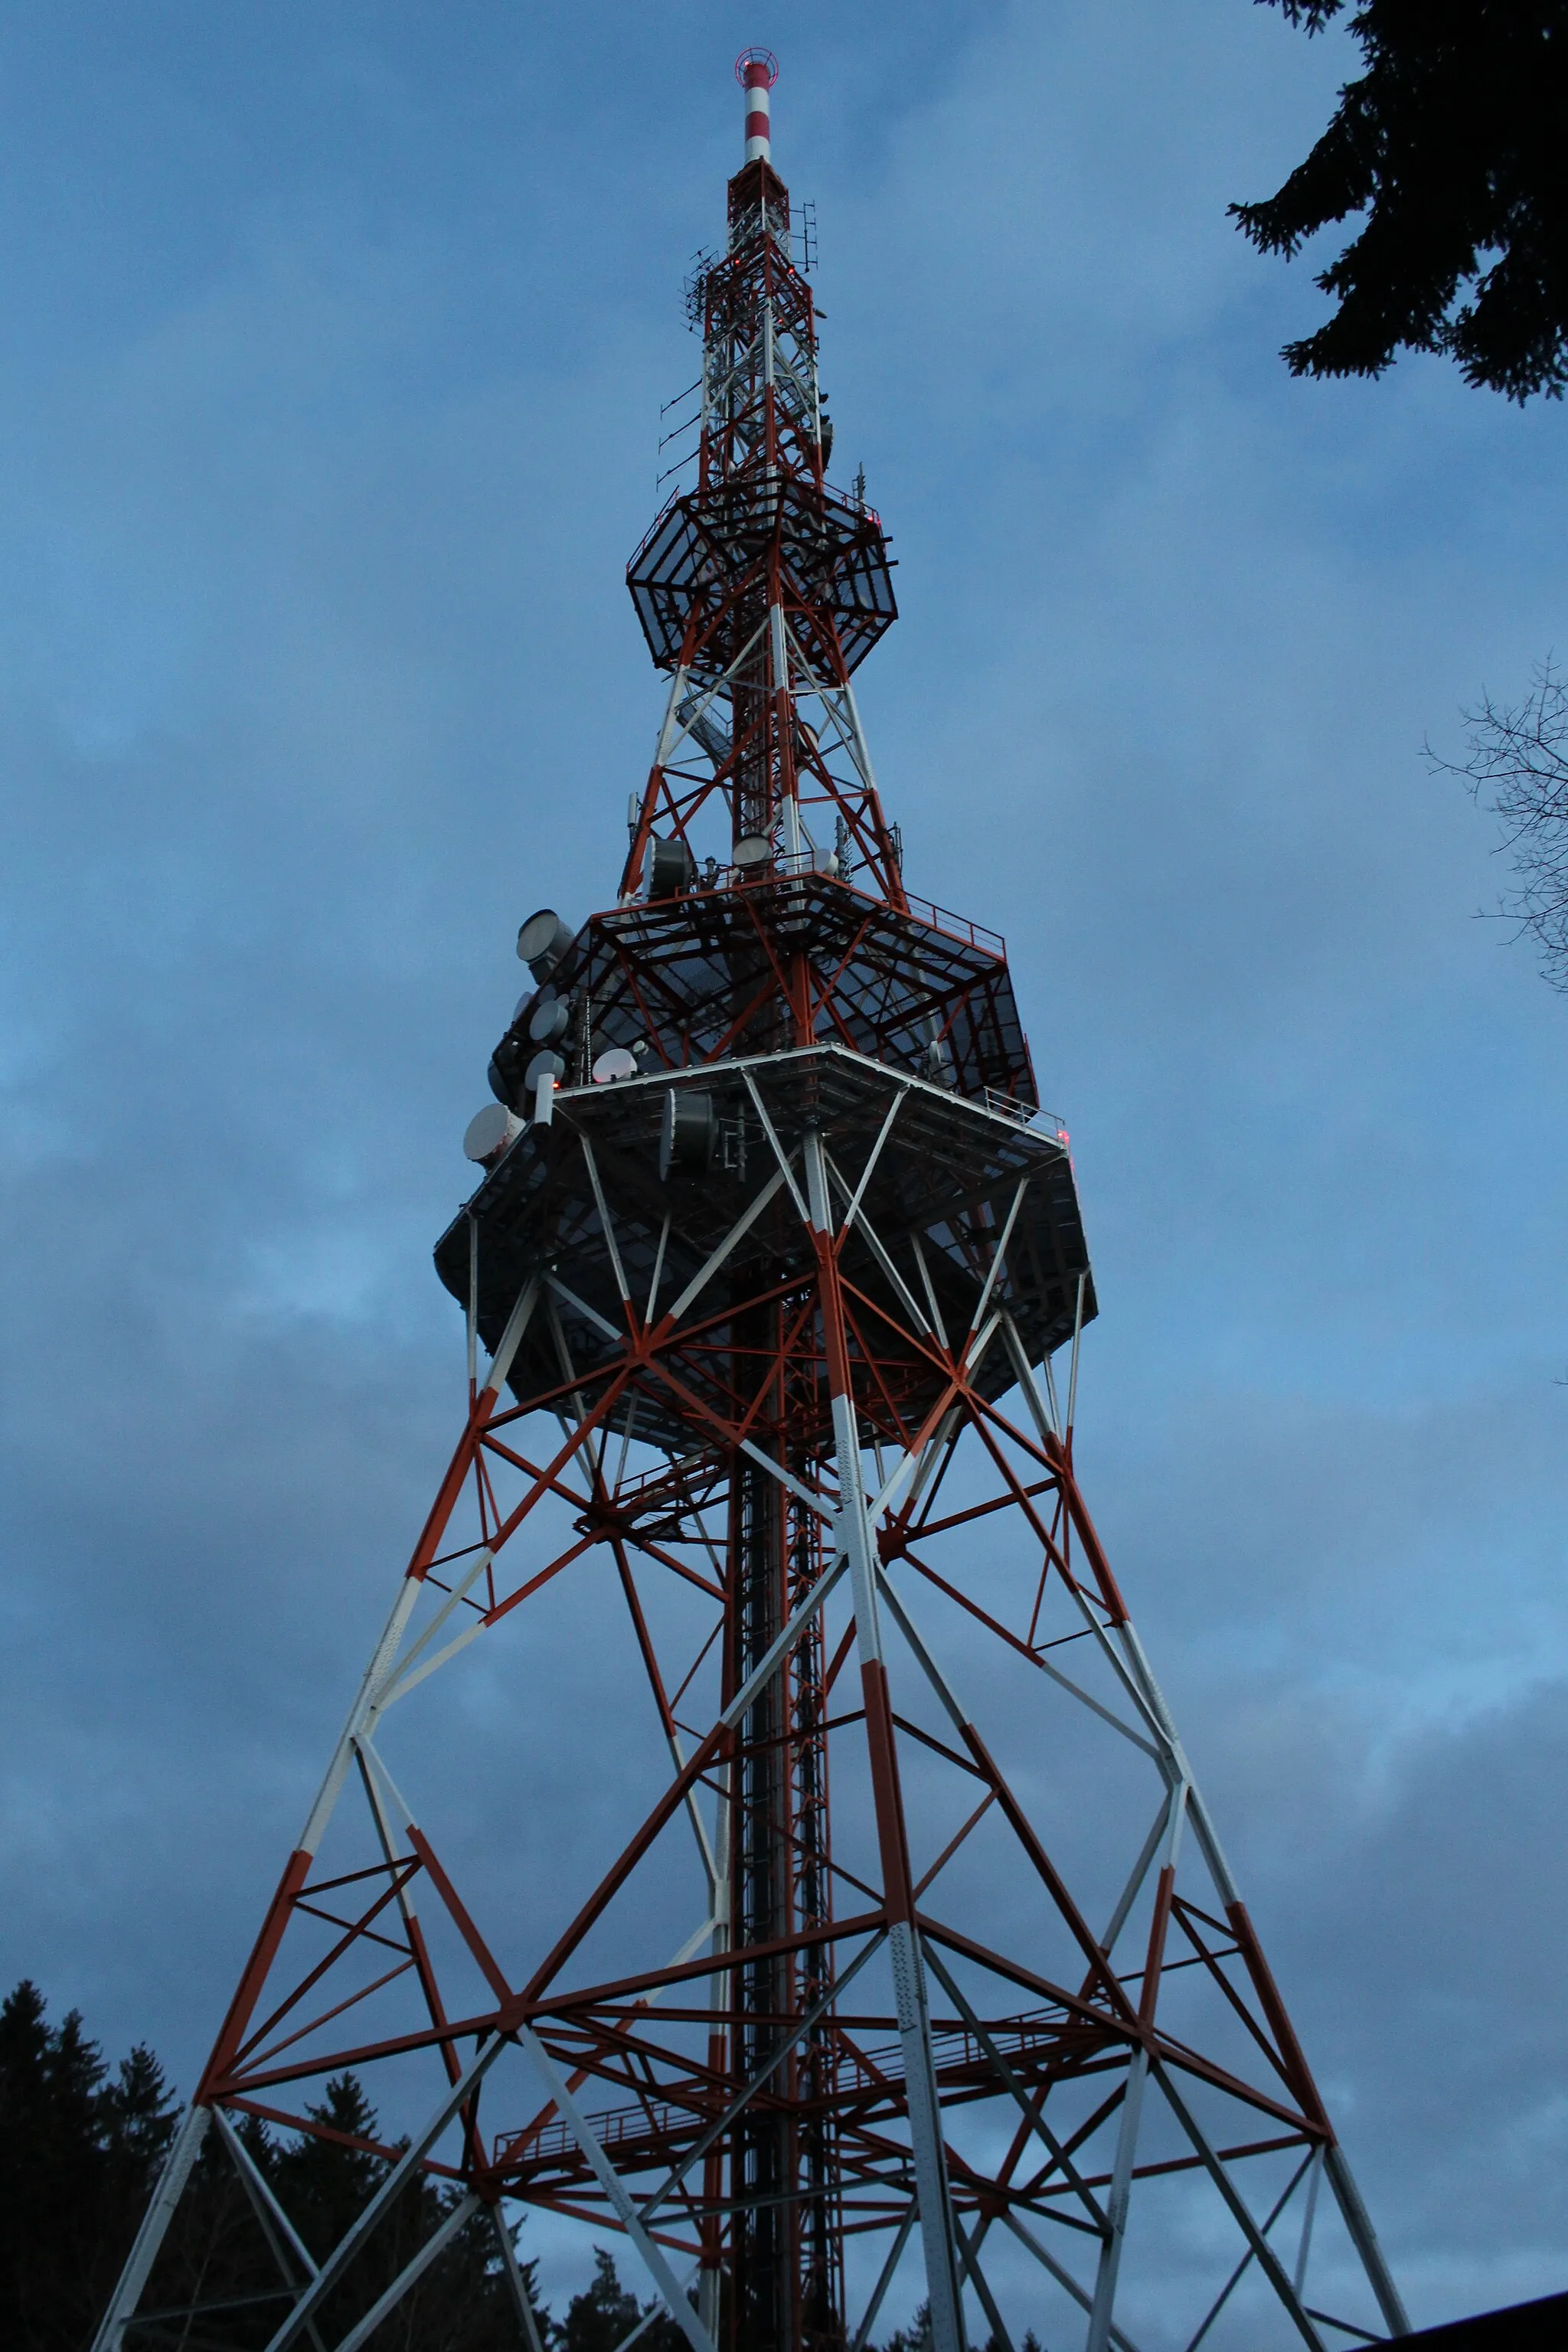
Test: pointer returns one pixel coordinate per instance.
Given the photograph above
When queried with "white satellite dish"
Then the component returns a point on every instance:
(492, 1132)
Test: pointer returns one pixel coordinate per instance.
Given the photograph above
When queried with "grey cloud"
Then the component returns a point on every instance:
(331, 397)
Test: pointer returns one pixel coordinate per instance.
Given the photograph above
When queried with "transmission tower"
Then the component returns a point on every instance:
(914, 1973)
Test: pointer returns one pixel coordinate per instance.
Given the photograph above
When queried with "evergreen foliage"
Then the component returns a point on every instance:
(597, 2319)
(79, 2153)
(915, 2337)
(217, 2253)
(1452, 144)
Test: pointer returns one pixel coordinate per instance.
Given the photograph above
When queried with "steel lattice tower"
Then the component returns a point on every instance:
(772, 1253)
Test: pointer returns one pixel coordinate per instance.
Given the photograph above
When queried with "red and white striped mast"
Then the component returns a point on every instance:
(756, 71)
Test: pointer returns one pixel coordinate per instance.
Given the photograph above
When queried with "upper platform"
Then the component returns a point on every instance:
(783, 959)
(687, 577)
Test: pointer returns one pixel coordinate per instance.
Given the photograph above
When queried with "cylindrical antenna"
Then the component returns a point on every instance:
(756, 71)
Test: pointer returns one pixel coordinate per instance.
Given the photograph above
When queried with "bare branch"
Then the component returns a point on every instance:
(1518, 768)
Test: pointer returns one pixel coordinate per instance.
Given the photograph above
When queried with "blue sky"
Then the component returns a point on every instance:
(334, 346)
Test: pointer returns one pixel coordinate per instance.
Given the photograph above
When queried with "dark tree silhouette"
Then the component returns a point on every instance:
(916, 2337)
(1452, 144)
(597, 2319)
(216, 2258)
(79, 2153)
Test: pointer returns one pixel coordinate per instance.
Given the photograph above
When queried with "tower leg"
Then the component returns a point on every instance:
(1099, 2318)
(280, 2232)
(177, 2163)
(929, 2160)
(412, 2270)
(1358, 2221)
(678, 2305)
(517, 2284)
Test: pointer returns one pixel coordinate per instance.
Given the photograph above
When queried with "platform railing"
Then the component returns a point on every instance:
(1045, 1122)
(958, 2049)
(788, 865)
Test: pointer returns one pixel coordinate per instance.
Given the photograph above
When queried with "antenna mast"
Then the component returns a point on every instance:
(896, 1963)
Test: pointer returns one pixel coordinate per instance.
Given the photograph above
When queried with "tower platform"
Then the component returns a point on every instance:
(951, 1175)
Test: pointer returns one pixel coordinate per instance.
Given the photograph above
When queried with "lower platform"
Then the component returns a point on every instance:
(925, 1182)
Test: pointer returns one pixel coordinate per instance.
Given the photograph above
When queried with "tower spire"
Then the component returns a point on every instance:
(761, 588)
(756, 71)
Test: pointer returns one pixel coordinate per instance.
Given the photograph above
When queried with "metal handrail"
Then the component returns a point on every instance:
(953, 2045)
(791, 865)
(943, 918)
(1027, 1114)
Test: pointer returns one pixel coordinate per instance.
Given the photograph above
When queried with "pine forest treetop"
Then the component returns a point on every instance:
(1451, 144)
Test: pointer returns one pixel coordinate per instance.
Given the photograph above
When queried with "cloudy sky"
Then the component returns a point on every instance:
(333, 345)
